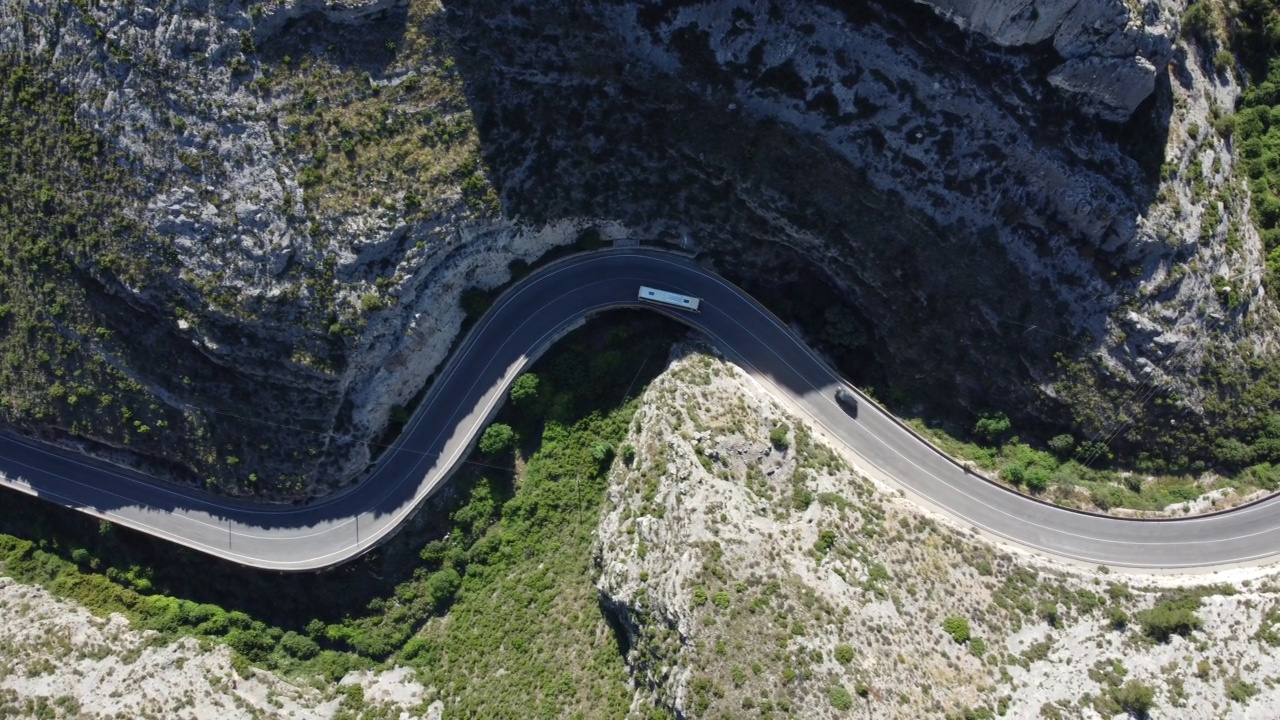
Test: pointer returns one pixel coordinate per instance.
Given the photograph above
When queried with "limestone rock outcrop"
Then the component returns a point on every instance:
(1110, 57)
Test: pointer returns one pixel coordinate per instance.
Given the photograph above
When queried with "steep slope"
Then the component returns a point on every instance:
(943, 202)
(759, 573)
(237, 236)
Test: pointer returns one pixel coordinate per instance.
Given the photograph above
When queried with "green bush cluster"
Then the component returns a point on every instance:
(1067, 462)
(1255, 34)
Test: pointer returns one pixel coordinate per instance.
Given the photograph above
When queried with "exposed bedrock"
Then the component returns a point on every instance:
(1110, 57)
(977, 219)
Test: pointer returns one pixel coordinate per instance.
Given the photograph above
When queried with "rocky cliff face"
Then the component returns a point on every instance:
(1111, 51)
(969, 193)
(309, 207)
(992, 235)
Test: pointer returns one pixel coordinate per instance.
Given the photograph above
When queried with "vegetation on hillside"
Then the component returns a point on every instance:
(64, 241)
(489, 595)
(1083, 473)
(98, 310)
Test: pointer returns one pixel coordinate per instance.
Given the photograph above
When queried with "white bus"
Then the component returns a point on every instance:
(669, 298)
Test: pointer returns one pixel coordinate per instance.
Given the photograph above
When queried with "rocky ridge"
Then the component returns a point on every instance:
(756, 569)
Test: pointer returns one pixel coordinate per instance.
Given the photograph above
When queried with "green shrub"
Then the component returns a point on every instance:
(473, 518)
(878, 573)
(254, 644)
(844, 654)
(497, 438)
(475, 302)
(590, 239)
(1062, 444)
(1135, 698)
(1048, 611)
(957, 628)
(1264, 475)
(601, 452)
(1224, 61)
(442, 586)
(699, 596)
(839, 697)
(721, 599)
(778, 436)
(826, 540)
(978, 647)
(1022, 464)
(1199, 21)
(1117, 617)
(1238, 690)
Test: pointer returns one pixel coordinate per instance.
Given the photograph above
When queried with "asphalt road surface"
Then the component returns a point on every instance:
(520, 326)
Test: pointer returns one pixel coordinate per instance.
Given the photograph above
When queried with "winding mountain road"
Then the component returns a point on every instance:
(521, 325)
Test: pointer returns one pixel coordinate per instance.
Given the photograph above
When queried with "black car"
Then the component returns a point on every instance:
(848, 401)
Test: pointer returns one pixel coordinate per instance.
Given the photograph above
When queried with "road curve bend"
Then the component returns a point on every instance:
(524, 321)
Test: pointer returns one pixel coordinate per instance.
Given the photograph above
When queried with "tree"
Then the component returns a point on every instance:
(524, 391)
(1062, 444)
(442, 586)
(992, 426)
(1169, 617)
(299, 646)
(497, 438)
